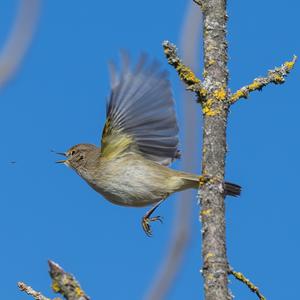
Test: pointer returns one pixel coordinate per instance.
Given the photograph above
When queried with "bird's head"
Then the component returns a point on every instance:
(79, 156)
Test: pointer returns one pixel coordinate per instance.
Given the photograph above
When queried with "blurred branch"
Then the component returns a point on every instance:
(275, 76)
(239, 276)
(19, 39)
(181, 229)
(30, 291)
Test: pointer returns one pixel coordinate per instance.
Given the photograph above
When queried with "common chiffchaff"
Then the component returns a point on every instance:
(139, 141)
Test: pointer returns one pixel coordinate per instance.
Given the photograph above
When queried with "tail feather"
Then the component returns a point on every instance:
(232, 189)
(192, 181)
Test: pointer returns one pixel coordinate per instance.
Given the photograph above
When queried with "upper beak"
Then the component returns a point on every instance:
(61, 153)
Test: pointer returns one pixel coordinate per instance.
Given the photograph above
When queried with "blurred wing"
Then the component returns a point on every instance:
(140, 113)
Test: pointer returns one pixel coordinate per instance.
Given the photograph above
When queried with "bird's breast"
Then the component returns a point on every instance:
(129, 182)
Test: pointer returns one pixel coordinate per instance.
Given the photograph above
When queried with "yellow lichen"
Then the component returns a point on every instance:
(211, 62)
(212, 112)
(206, 212)
(203, 92)
(210, 277)
(203, 179)
(209, 102)
(186, 74)
(290, 64)
(220, 94)
(278, 78)
(208, 111)
(207, 108)
(55, 287)
(255, 85)
(208, 256)
(239, 94)
(79, 291)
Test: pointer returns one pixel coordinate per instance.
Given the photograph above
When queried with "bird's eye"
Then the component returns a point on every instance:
(72, 152)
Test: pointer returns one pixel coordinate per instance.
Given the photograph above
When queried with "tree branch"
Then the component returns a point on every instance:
(184, 72)
(215, 111)
(276, 76)
(65, 283)
(213, 95)
(62, 282)
(239, 276)
(30, 291)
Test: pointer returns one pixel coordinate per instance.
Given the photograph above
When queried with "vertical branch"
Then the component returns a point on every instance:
(215, 109)
(213, 95)
(215, 99)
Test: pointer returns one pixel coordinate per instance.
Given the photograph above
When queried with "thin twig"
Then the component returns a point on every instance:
(184, 72)
(239, 276)
(65, 283)
(30, 291)
(276, 76)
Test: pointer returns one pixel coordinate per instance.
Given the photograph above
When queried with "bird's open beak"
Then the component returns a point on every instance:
(63, 160)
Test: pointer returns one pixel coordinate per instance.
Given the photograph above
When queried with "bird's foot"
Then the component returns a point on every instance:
(146, 220)
(204, 179)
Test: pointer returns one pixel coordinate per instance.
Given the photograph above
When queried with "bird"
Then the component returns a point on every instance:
(139, 142)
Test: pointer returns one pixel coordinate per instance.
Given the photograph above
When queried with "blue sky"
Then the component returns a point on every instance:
(57, 99)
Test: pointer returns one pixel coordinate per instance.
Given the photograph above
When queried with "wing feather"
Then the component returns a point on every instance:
(140, 113)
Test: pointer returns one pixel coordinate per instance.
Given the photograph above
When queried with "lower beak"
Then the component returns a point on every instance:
(61, 161)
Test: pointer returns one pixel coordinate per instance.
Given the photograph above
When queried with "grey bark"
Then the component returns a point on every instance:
(215, 265)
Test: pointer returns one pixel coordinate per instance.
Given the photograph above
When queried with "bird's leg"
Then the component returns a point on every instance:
(204, 179)
(147, 219)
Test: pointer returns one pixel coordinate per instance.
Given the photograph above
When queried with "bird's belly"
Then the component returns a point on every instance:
(131, 188)
(126, 195)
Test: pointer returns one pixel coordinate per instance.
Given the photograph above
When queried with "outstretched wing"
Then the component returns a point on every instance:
(140, 113)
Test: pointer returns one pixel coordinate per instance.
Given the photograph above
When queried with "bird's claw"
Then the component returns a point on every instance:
(146, 220)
